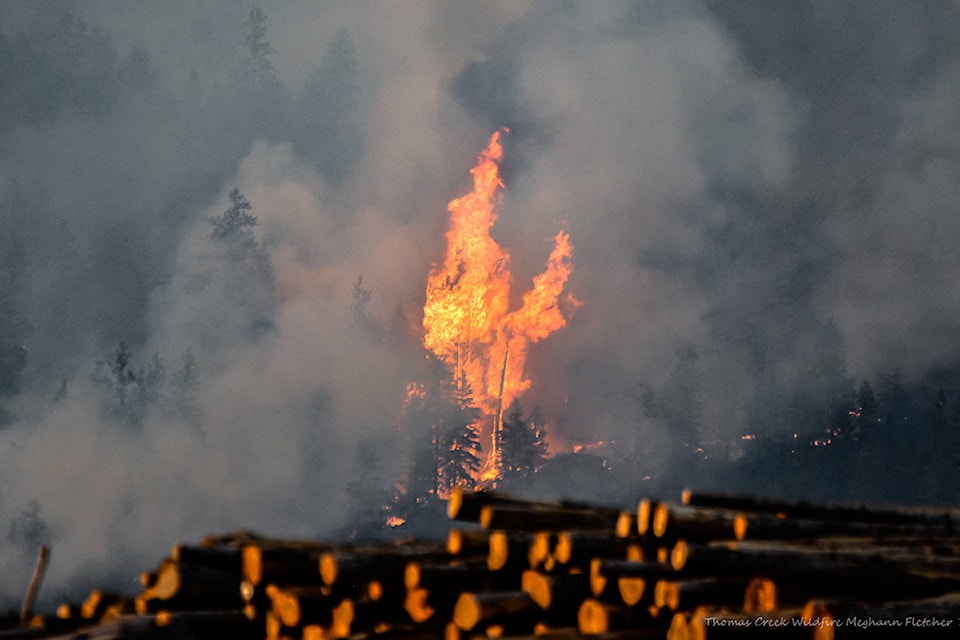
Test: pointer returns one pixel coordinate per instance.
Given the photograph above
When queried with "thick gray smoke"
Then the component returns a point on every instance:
(761, 197)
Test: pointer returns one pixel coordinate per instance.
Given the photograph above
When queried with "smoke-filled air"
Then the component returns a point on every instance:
(303, 268)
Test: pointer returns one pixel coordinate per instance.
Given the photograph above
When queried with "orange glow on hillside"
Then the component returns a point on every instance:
(467, 318)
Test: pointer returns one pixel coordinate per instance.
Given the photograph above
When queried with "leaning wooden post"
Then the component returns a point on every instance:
(27, 609)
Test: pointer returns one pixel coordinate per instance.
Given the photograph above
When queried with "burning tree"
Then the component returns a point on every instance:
(467, 318)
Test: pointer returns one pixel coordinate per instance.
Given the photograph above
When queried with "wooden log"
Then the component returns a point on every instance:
(578, 548)
(557, 592)
(803, 570)
(423, 605)
(644, 516)
(692, 593)
(693, 523)
(96, 604)
(760, 596)
(603, 572)
(540, 551)
(353, 617)
(226, 559)
(508, 551)
(474, 609)
(767, 526)
(293, 563)
(298, 606)
(26, 609)
(543, 517)
(595, 617)
(208, 624)
(462, 542)
(466, 505)
(206, 587)
(343, 567)
(456, 575)
(945, 518)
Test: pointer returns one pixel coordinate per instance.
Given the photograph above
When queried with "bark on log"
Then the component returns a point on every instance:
(430, 604)
(689, 594)
(297, 606)
(947, 518)
(26, 609)
(578, 548)
(760, 596)
(556, 592)
(226, 559)
(540, 517)
(595, 617)
(385, 563)
(509, 551)
(208, 587)
(468, 542)
(805, 570)
(767, 526)
(692, 523)
(473, 609)
(466, 505)
(472, 575)
(603, 572)
(95, 606)
(281, 563)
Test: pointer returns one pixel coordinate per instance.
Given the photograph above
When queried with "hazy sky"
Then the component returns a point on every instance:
(764, 192)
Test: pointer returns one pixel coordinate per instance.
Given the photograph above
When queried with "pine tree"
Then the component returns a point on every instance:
(522, 444)
(460, 440)
(256, 66)
(366, 491)
(249, 277)
(327, 114)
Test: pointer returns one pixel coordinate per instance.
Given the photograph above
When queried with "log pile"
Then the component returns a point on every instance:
(707, 566)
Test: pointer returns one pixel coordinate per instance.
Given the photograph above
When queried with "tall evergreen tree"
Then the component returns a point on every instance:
(459, 439)
(256, 65)
(366, 491)
(250, 279)
(522, 445)
(327, 114)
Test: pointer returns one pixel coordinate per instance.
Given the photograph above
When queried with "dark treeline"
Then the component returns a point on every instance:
(98, 115)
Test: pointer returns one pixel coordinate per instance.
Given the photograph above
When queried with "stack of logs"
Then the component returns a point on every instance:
(708, 566)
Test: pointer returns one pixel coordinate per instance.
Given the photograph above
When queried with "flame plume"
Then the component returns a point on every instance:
(467, 318)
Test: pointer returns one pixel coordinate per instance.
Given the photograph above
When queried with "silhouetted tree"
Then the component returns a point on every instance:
(183, 392)
(250, 281)
(256, 65)
(327, 113)
(459, 439)
(522, 445)
(366, 491)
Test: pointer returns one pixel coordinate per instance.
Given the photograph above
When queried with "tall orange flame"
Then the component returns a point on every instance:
(466, 316)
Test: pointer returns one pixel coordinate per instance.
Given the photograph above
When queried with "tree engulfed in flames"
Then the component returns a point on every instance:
(467, 318)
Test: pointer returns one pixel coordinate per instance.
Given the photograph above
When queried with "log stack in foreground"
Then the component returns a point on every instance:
(707, 566)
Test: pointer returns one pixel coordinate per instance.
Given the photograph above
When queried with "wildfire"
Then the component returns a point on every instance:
(467, 318)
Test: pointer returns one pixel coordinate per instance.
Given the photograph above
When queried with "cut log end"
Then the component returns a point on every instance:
(760, 596)
(417, 605)
(466, 612)
(536, 585)
(631, 589)
(592, 618)
(643, 516)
